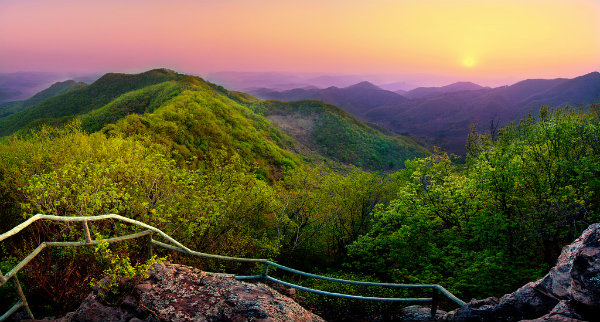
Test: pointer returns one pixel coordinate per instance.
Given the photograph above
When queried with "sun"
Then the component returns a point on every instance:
(469, 62)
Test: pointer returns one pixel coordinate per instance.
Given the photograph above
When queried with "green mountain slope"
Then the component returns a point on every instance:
(56, 89)
(198, 121)
(195, 118)
(83, 100)
(335, 134)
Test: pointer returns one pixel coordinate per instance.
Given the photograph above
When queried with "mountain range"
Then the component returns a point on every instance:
(194, 116)
(442, 116)
(435, 116)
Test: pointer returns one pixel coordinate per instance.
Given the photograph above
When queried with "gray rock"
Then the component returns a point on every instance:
(562, 312)
(569, 292)
(417, 313)
(585, 273)
(525, 303)
(92, 310)
(558, 282)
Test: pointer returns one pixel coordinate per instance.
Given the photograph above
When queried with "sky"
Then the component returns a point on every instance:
(485, 40)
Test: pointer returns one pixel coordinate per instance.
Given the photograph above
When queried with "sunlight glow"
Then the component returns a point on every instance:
(469, 62)
(541, 38)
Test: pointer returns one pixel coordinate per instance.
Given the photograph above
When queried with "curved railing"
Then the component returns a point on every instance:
(176, 246)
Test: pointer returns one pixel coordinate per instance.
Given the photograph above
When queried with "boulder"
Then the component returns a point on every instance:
(569, 292)
(585, 272)
(183, 293)
(525, 303)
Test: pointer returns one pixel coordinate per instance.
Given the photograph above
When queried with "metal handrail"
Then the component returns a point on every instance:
(176, 246)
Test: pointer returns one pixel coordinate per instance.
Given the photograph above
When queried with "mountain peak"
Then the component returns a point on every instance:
(421, 92)
(462, 86)
(364, 85)
(163, 71)
(591, 75)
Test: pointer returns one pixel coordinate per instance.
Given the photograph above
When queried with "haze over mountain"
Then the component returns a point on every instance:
(442, 115)
(420, 92)
(356, 99)
(58, 88)
(22, 85)
(244, 81)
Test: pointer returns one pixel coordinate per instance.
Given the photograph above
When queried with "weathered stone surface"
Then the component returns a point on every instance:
(585, 273)
(180, 293)
(558, 282)
(417, 313)
(562, 312)
(525, 303)
(569, 292)
(91, 310)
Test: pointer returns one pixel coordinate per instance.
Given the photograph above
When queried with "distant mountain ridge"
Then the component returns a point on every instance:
(356, 99)
(442, 115)
(56, 89)
(22, 85)
(432, 91)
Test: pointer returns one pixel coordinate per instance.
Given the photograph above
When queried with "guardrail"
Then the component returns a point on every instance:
(176, 246)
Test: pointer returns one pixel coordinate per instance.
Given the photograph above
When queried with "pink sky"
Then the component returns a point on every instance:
(465, 39)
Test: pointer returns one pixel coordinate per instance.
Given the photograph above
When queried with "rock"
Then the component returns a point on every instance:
(558, 282)
(92, 310)
(417, 313)
(525, 303)
(182, 293)
(585, 273)
(562, 312)
(569, 292)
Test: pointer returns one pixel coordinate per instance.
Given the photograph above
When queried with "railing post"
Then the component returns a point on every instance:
(2, 280)
(434, 301)
(150, 250)
(265, 269)
(86, 232)
(22, 296)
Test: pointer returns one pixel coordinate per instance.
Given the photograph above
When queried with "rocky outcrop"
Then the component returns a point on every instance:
(182, 293)
(569, 292)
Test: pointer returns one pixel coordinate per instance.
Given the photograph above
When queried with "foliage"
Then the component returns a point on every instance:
(339, 309)
(321, 211)
(496, 222)
(196, 123)
(120, 275)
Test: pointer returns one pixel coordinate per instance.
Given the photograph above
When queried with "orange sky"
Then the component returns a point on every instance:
(468, 39)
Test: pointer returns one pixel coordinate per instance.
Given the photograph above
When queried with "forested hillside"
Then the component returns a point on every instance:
(335, 134)
(201, 167)
(497, 221)
(85, 99)
(192, 116)
(225, 173)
